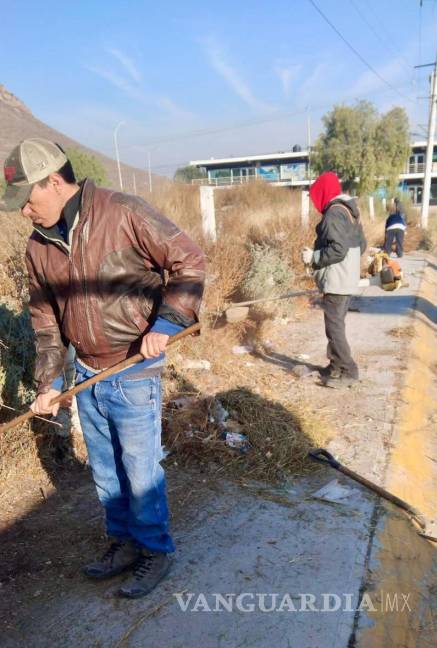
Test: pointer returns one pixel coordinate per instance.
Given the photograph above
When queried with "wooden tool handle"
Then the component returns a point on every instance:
(299, 293)
(110, 371)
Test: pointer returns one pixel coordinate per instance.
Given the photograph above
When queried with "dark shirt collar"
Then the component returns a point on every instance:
(62, 228)
(71, 208)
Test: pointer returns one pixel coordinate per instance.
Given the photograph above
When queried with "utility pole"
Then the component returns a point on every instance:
(117, 154)
(149, 169)
(430, 146)
(308, 128)
(309, 141)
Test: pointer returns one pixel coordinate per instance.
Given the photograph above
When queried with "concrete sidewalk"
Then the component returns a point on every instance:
(279, 567)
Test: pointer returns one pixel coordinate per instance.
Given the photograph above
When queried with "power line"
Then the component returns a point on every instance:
(236, 125)
(352, 48)
(192, 134)
(242, 124)
(385, 41)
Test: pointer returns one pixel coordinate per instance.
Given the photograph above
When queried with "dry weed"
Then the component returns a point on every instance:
(253, 206)
(179, 202)
(228, 263)
(14, 232)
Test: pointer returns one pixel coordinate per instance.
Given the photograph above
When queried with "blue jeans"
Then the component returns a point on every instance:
(121, 423)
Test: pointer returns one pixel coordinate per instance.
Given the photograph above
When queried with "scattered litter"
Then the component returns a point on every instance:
(241, 350)
(218, 414)
(198, 364)
(236, 441)
(335, 492)
(267, 426)
(300, 371)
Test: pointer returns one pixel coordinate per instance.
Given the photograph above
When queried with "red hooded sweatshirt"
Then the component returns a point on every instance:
(324, 189)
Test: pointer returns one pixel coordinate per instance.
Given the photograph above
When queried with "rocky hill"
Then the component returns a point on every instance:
(18, 123)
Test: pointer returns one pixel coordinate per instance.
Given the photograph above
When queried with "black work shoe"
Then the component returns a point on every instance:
(119, 556)
(340, 381)
(149, 570)
(327, 371)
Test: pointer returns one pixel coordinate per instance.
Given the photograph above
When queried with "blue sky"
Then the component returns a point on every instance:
(246, 73)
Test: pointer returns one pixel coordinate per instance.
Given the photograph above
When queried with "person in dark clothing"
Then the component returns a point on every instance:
(336, 256)
(399, 205)
(395, 228)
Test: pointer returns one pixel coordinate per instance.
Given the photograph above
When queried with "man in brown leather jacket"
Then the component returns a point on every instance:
(96, 262)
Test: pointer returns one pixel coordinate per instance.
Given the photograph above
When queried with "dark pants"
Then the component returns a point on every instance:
(339, 353)
(391, 236)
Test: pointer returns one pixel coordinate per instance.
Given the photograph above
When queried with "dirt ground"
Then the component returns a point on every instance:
(52, 525)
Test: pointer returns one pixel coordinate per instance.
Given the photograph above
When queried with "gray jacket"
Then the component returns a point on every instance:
(338, 247)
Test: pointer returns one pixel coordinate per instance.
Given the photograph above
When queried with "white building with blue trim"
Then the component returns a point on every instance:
(293, 169)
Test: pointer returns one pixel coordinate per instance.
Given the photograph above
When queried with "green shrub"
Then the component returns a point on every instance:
(87, 166)
(188, 173)
(268, 274)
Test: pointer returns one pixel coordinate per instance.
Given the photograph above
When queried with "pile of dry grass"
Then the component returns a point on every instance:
(279, 435)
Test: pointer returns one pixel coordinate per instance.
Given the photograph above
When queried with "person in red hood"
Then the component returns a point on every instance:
(335, 259)
(324, 189)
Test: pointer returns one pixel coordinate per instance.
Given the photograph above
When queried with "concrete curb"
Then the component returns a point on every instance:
(401, 561)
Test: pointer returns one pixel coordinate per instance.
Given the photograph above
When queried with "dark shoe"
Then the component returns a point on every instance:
(149, 570)
(328, 371)
(119, 556)
(340, 381)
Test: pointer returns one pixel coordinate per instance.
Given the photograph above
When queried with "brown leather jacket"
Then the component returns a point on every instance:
(103, 290)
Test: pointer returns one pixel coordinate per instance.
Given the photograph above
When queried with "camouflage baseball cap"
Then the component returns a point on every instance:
(29, 162)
